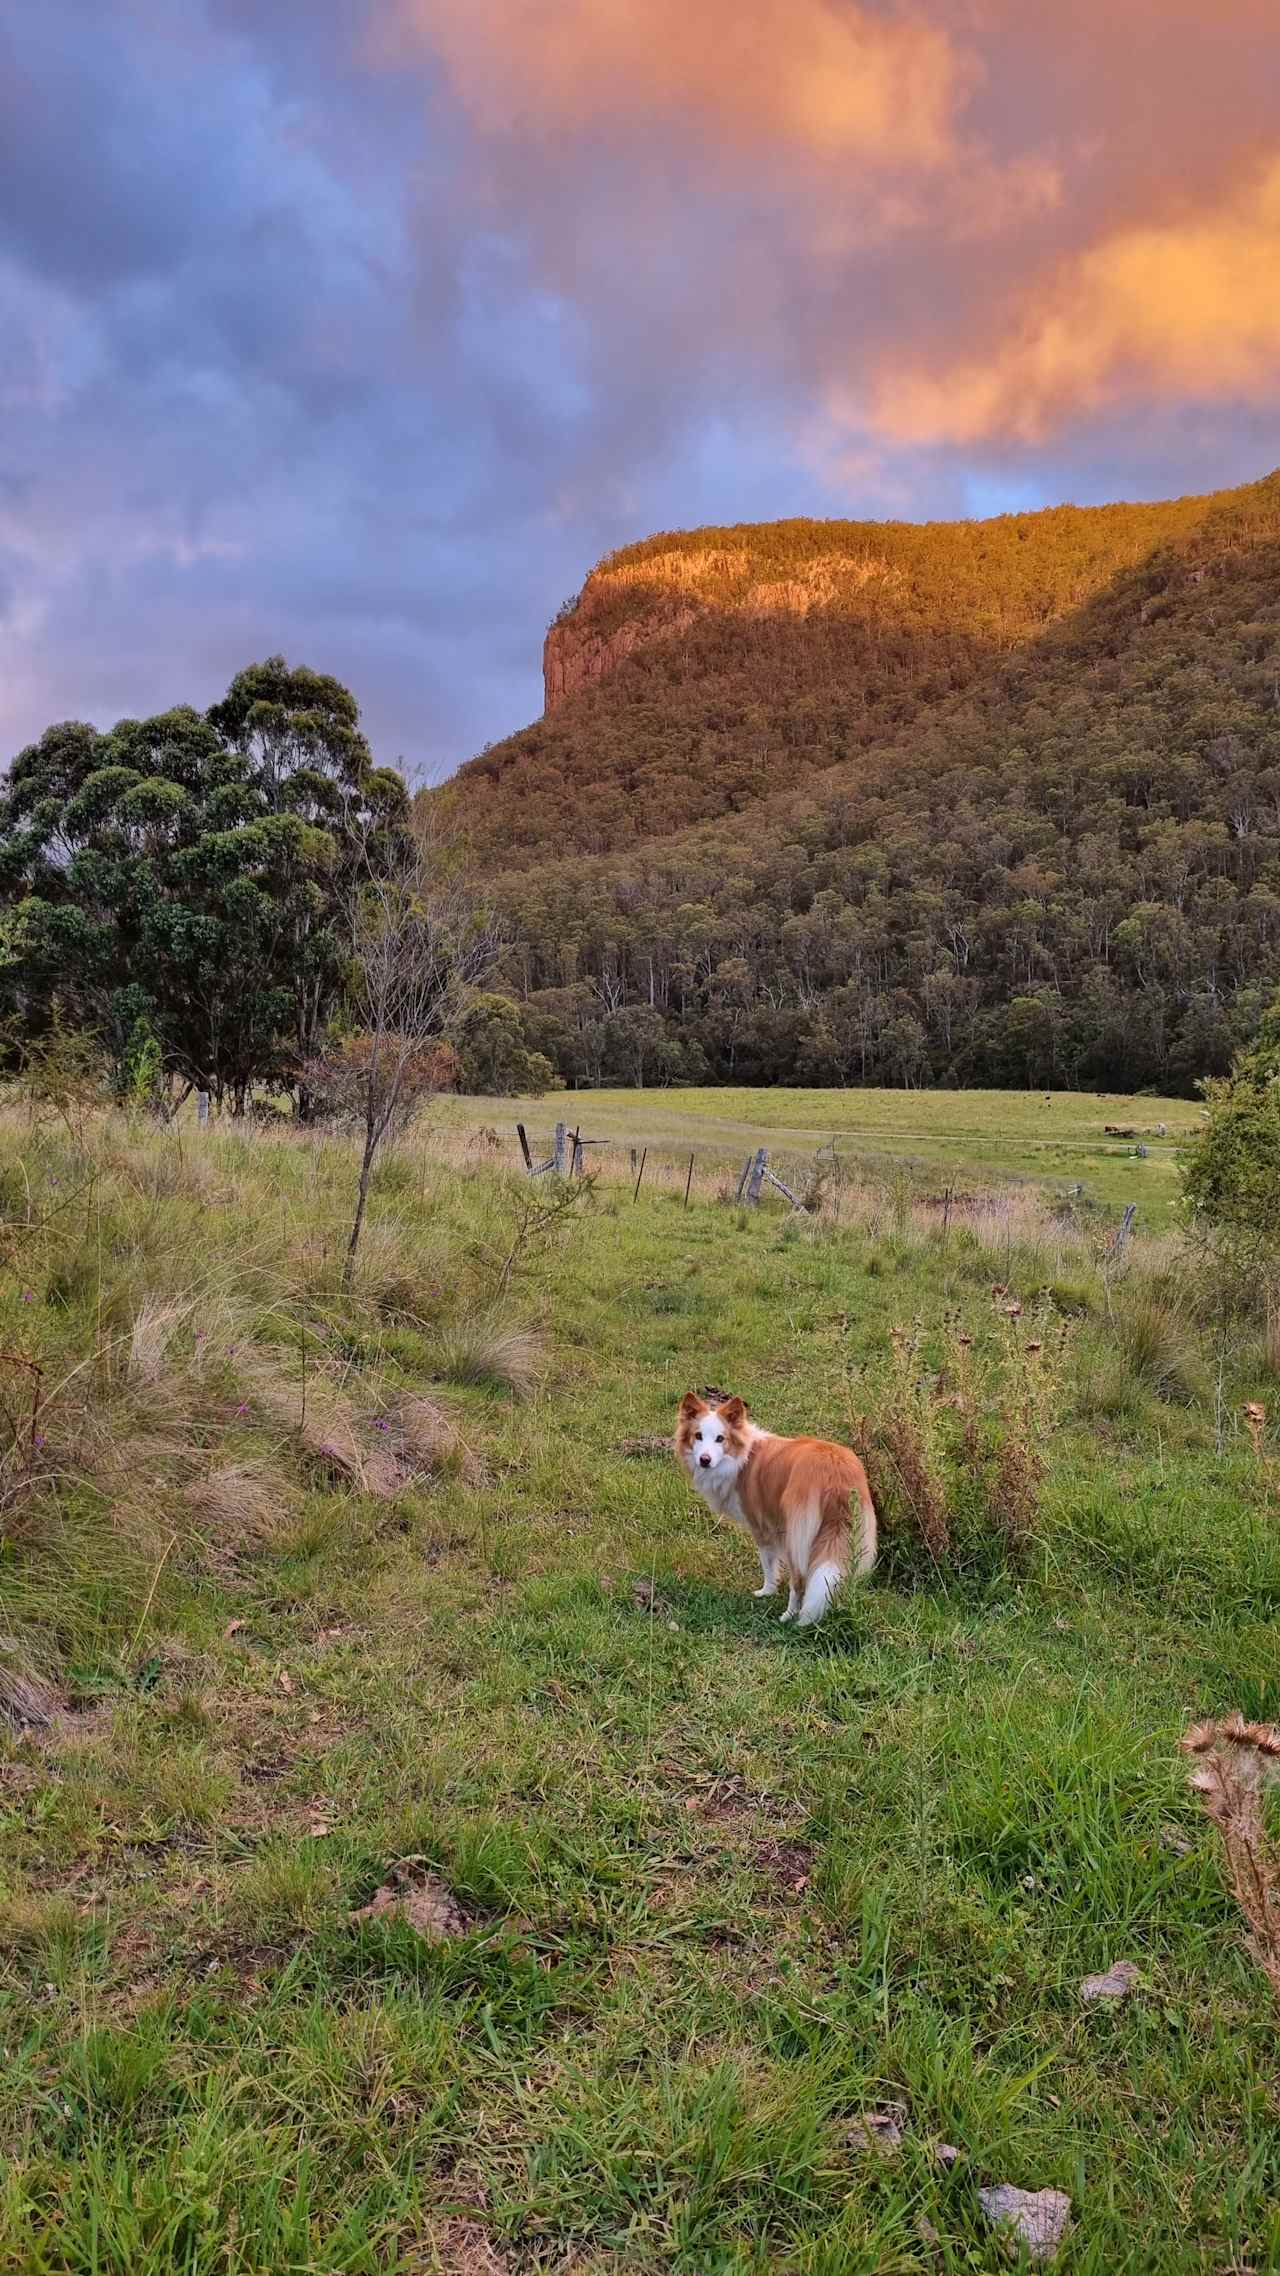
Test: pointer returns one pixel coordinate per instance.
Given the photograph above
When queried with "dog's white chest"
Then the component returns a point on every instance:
(721, 1495)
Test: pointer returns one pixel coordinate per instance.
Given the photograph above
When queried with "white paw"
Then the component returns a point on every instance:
(764, 1592)
(789, 1614)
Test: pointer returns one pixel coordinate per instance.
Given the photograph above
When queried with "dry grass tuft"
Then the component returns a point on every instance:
(493, 1355)
(27, 1699)
(322, 1422)
(425, 1441)
(458, 2247)
(241, 1506)
(399, 1273)
(1235, 1763)
(156, 1323)
(1158, 1348)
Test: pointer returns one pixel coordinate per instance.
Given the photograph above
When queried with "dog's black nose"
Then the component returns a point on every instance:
(705, 1460)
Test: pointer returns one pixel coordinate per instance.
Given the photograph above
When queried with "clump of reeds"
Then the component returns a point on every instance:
(1235, 1762)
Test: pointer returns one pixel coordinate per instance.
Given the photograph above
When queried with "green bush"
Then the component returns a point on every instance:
(1231, 1183)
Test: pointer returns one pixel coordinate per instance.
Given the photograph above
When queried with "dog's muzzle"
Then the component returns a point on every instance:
(704, 1461)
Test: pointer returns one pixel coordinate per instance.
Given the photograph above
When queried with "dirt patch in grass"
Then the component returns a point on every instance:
(787, 1864)
(412, 1892)
(723, 1798)
(457, 2247)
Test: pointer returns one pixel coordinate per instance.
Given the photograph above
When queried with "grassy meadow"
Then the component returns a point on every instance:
(722, 1931)
(1054, 1139)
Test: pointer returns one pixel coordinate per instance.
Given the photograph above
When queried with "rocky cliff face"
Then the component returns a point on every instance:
(578, 651)
(627, 605)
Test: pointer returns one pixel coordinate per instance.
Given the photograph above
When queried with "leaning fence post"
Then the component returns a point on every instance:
(756, 1179)
(746, 1172)
(559, 1149)
(640, 1172)
(524, 1147)
(688, 1182)
(202, 1109)
(575, 1157)
(1126, 1227)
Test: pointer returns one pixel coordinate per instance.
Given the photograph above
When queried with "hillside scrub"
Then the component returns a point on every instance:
(1005, 814)
(417, 1847)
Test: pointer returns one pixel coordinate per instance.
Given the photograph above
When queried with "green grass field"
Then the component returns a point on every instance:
(723, 1891)
(1057, 1139)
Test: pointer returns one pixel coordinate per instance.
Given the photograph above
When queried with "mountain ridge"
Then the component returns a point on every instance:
(896, 678)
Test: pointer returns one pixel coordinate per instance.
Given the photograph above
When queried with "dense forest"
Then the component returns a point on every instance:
(968, 803)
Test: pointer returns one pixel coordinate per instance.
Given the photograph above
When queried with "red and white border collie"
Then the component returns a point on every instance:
(794, 1496)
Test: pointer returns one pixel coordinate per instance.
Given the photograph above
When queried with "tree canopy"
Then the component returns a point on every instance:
(192, 874)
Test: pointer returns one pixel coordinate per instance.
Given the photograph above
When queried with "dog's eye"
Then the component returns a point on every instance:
(720, 1440)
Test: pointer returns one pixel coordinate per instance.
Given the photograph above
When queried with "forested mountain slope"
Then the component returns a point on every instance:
(964, 802)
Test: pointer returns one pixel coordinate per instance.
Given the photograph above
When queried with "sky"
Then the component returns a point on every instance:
(357, 330)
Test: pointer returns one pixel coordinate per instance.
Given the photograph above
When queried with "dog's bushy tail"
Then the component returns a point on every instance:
(846, 1541)
(863, 1524)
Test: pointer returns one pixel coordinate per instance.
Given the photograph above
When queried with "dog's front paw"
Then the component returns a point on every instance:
(768, 1591)
(789, 1614)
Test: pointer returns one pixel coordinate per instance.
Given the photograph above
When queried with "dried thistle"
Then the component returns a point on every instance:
(1235, 1762)
(903, 1444)
(1254, 1417)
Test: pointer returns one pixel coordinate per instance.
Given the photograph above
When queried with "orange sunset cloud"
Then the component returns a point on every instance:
(968, 220)
(824, 77)
(1183, 307)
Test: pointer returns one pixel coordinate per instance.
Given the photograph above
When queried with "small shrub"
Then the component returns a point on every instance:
(903, 1452)
(336, 1084)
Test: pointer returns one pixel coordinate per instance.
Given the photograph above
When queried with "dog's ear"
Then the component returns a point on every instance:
(692, 1405)
(732, 1411)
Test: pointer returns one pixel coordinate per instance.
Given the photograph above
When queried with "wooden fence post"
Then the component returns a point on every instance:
(559, 1149)
(756, 1179)
(202, 1109)
(643, 1159)
(524, 1147)
(688, 1182)
(793, 1198)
